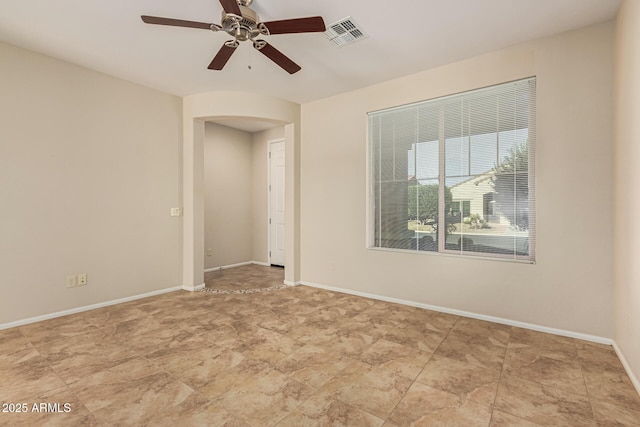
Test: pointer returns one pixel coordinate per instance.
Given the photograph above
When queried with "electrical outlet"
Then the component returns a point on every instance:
(72, 281)
(176, 211)
(209, 252)
(82, 279)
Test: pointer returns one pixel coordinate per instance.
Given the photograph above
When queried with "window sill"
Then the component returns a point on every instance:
(451, 254)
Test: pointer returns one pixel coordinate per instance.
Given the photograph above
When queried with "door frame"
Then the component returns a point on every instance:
(269, 142)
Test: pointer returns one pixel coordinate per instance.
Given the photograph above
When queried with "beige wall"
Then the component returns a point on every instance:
(228, 218)
(260, 148)
(627, 184)
(570, 286)
(235, 192)
(90, 166)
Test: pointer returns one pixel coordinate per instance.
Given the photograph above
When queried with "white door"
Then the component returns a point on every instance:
(276, 203)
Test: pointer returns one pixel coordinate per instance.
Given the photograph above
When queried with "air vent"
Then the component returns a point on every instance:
(345, 31)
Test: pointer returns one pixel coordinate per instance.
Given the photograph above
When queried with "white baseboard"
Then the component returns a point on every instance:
(224, 267)
(86, 308)
(240, 264)
(554, 331)
(192, 288)
(290, 283)
(627, 367)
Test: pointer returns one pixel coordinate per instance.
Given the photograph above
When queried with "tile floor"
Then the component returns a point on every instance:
(303, 357)
(245, 279)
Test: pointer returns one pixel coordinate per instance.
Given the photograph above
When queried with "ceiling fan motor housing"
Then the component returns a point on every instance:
(242, 29)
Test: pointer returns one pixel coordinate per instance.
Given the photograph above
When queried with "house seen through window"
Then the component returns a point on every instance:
(456, 174)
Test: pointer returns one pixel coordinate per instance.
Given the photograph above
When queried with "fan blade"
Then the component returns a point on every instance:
(223, 55)
(314, 24)
(276, 56)
(231, 6)
(174, 22)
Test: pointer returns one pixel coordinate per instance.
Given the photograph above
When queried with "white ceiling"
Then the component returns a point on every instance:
(404, 38)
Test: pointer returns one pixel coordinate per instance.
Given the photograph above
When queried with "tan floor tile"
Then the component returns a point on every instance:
(564, 374)
(216, 376)
(25, 374)
(465, 380)
(324, 411)
(401, 359)
(263, 344)
(397, 313)
(235, 422)
(376, 320)
(314, 335)
(422, 319)
(128, 330)
(265, 400)
(59, 328)
(74, 367)
(502, 419)
(54, 345)
(122, 313)
(331, 314)
(195, 413)
(104, 388)
(613, 387)
(427, 406)
(290, 304)
(150, 336)
(173, 317)
(372, 389)
(224, 335)
(97, 317)
(598, 357)
(349, 343)
(241, 310)
(141, 401)
(363, 323)
(423, 339)
(477, 349)
(314, 366)
(280, 323)
(354, 305)
(543, 405)
(12, 340)
(190, 352)
(153, 306)
(547, 345)
(611, 414)
(497, 333)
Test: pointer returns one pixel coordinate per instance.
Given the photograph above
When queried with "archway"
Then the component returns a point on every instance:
(199, 108)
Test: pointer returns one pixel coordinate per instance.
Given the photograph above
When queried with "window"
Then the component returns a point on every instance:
(455, 175)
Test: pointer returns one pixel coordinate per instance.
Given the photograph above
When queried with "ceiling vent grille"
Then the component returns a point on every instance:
(345, 31)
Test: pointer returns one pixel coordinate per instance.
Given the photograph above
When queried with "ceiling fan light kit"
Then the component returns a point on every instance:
(243, 23)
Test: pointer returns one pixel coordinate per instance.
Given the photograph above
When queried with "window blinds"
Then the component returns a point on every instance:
(456, 174)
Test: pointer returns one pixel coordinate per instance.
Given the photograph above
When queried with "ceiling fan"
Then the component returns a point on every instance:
(243, 23)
